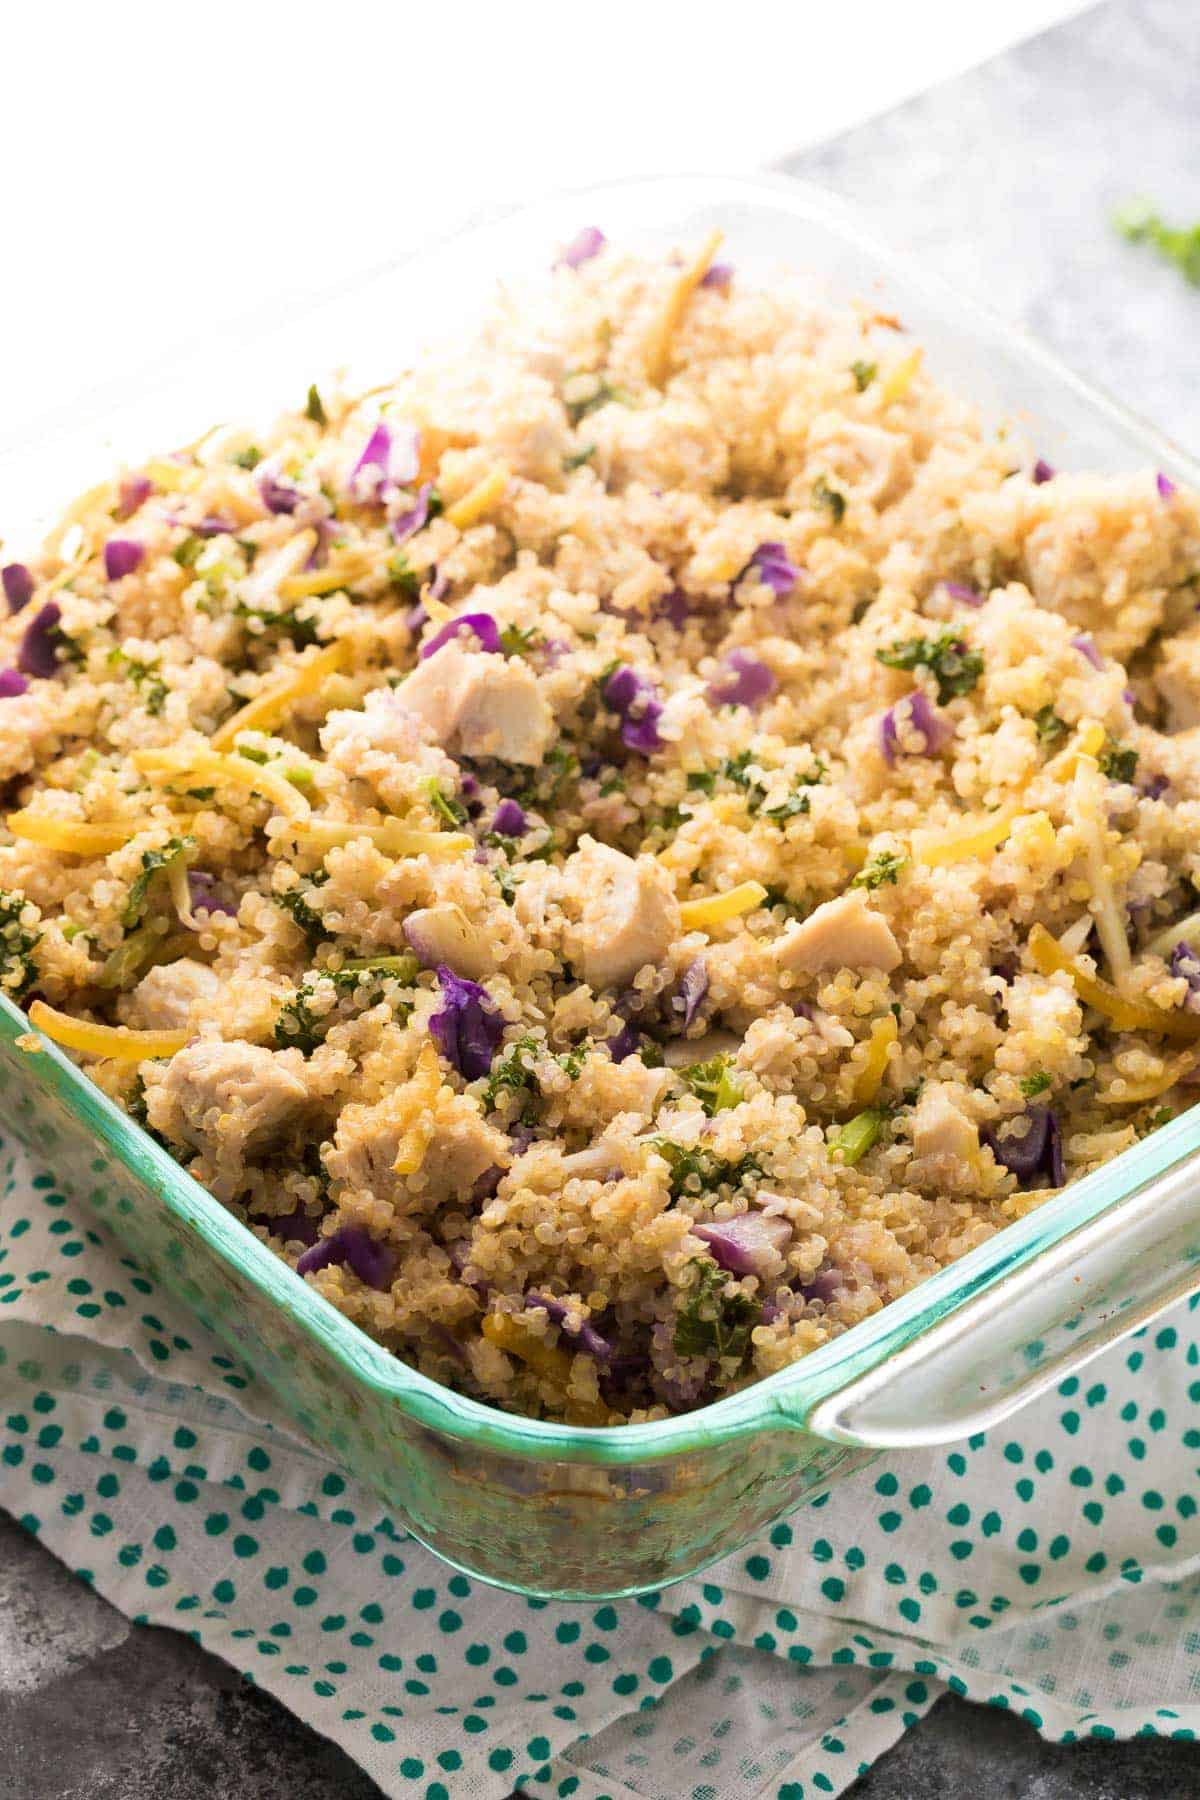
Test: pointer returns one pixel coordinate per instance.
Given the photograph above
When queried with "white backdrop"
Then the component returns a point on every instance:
(168, 166)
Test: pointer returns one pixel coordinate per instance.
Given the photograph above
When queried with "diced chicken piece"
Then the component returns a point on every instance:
(941, 1128)
(865, 461)
(480, 704)
(844, 933)
(462, 1147)
(628, 916)
(232, 1101)
(1177, 679)
(444, 934)
(683, 1053)
(604, 1090)
(173, 995)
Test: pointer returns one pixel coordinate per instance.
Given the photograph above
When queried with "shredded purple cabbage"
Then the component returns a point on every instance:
(466, 1028)
(202, 894)
(625, 1044)
(18, 585)
(1036, 1155)
(297, 1227)
(583, 246)
(211, 525)
(38, 654)
(634, 697)
(278, 494)
(133, 492)
(121, 557)
(689, 996)
(510, 820)
(923, 716)
(1042, 472)
(12, 684)
(674, 608)
(388, 456)
(823, 1286)
(469, 785)
(407, 524)
(746, 681)
(587, 1337)
(747, 1244)
(770, 564)
(1186, 963)
(1155, 787)
(482, 624)
(1166, 487)
(354, 1246)
(1087, 648)
(719, 276)
(959, 590)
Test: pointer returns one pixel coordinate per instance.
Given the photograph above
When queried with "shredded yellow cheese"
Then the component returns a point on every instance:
(967, 842)
(1124, 1013)
(171, 476)
(480, 499)
(1089, 741)
(393, 837)
(884, 1033)
(113, 1041)
(718, 909)
(266, 710)
(75, 837)
(897, 381)
(420, 1097)
(657, 356)
(210, 768)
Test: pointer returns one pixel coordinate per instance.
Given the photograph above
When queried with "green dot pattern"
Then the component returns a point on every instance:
(1050, 1568)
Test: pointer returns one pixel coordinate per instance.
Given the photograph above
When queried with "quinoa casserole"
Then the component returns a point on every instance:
(622, 852)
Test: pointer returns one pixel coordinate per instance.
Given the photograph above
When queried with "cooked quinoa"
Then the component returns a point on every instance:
(622, 853)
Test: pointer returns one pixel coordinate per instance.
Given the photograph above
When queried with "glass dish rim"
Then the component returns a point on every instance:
(783, 1400)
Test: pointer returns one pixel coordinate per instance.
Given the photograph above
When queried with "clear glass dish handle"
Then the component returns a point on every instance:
(1027, 1328)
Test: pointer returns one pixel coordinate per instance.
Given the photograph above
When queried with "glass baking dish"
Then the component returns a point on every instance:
(543, 1508)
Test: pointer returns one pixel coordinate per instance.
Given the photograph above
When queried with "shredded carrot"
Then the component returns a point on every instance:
(657, 356)
(113, 1041)
(211, 768)
(266, 710)
(479, 499)
(1125, 1014)
(75, 837)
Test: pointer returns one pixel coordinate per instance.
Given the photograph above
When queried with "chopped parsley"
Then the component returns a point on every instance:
(248, 458)
(694, 1171)
(154, 863)
(713, 1084)
(1117, 761)
(886, 866)
(712, 1322)
(302, 1025)
(145, 677)
(603, 393)
(736, 769)
(519, 640)
(314, 407)
(1178, 244)
(579, 458)
(1034, 1084)
(954, 666)
(301, 630)
(864, 374)
(18, 971)
(403, 576)
(827, 496)
(511, 1074)
(1050, 728)
(185, 553)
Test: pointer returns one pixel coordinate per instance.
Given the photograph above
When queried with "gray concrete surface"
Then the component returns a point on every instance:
(1004, 180)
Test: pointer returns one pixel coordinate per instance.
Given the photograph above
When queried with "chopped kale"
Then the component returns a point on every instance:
(886, 866)
(448, 810)
(299, 1023)
(511, 1074)
(713, 1322)
(185, 554)
(579, 458)
(301, 630)
(1117, 761)
(404, 577)
(713, 1084)
(1050, 728)
(954, 666)
(248, 458)
(314, 407)
(864, 374)
(695, 1171)
(826, 496)
(1037, 1083)
(603, 394)
(154, 863)
(309, 920)
(18, 970)
(519, 640)
(145, 678)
